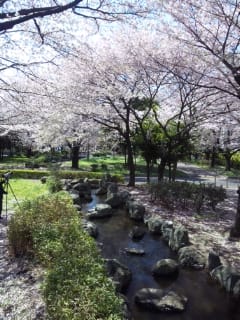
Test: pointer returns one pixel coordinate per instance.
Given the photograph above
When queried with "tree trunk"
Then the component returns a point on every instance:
(161, 168)
(88, 152)
(174, 170)
(148, 170)
(169, 171)
(213, 158)
(130, 162)
(131, 167)
(235, 230)
(227, 157)
(75, 156)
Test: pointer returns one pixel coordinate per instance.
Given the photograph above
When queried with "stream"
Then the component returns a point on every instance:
(206, 301)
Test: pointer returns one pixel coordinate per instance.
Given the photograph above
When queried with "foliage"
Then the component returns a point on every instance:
(236, 161)
(64, 174)
(76, 285)
(187, 195)
(54, 182)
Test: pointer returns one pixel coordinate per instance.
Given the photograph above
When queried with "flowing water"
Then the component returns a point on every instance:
(206, 301)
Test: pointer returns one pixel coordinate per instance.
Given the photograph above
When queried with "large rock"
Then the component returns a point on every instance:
(115, 200)
(137, 233)
(167, 229)
(158, 300)
(213, 260)
(136, 210)
(120, 274)
(178, 238)
(90, 228)
(75, 197)
(228, 278)
(118, 199)
(101, 191)
(236, 289)
(112, 188)
(135, 251)
(190, 257)
(94, 183)
(83, 189)
(101, 210)
(155, 225)
(165, 267)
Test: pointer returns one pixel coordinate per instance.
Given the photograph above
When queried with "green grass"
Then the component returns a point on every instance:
(23, 189)
(116, 165)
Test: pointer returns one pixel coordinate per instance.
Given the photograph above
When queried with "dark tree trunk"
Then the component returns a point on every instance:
(227, 157)
(169, 171)
(75, 156)
(131, 165)
(213, 158)
(235, 230)
(161, 168)
(148, 170)
(88, 152)
(174, 170)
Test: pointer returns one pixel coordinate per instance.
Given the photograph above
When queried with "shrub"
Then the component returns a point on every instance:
(187, 195)
(94, 167)
(54, 182)
(76, 285)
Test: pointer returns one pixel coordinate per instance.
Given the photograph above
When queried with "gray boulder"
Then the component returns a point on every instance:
(178, 238)
(190, 257)
(137, 233)
(213, 260)
(112, 188)
(115, 200)
(101, 210)
(136, 210)
(120, 274)
(173, 302)
(155, 225)
(166, 229)
(101, 191)
(118, 199)
(236, 289)
(94, 183)
(90, 228)
(135, 251)
(158, 300)
(228, 278)
(75, 197)
(43, 179)
(165, 267)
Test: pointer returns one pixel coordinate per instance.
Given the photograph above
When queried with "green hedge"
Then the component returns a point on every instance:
(63, 174)
(76, 286)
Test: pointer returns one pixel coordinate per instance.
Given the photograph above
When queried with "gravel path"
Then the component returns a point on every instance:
(20, 285)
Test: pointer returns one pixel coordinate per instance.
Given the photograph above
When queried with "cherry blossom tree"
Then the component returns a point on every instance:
(208, 33)
(116, 79)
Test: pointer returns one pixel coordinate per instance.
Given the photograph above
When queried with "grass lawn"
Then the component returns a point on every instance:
(23, 189)
(114, 165)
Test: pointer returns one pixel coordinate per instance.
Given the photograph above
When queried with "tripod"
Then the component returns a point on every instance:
(7, 188)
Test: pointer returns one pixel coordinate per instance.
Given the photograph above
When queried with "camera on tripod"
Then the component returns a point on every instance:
(6, 176)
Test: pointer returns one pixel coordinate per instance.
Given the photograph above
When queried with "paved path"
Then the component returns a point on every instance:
(197, 174)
